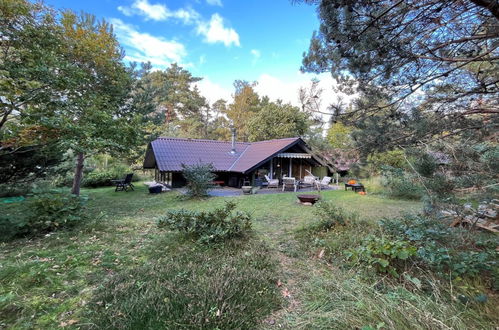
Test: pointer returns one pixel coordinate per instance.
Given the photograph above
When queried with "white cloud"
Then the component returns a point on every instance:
(213, 91)
(143, 47)
(214, 2)
(279, 89)
(202, 59)
(214, 31)
(256, 53)
(256, 56)
(159, 12)
(287, 90)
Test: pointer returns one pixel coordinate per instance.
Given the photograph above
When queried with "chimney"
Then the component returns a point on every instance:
(233, 130)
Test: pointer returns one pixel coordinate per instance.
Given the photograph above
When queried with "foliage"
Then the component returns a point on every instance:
(393, 158)
(199, 179)
(419, 73)
(231, 287)
(448, 250)
(44, 212)
(178, 105)
(384, 254)
(330, 216)
(425, 164)
(275, 121)
(27, 164)
(400, 184)
(339, 136)
(19, 189)
(246, 104)
(64, 83)
(103, 177)
(209, 226)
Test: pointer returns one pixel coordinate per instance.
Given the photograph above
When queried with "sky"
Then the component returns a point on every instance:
(218, 40)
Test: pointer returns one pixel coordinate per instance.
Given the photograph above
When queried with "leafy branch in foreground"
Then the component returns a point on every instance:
(438, 58)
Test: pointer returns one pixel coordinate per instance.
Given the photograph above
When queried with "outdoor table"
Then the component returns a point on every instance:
(358, 187)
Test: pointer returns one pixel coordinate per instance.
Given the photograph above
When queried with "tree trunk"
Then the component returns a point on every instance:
(78, 174)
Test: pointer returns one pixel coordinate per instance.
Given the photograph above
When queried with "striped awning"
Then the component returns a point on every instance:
(294, 155)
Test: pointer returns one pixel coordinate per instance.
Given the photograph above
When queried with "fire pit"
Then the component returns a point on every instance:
(308, 199)
(247, 189)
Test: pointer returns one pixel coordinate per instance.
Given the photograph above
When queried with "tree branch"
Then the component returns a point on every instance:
(491, 5)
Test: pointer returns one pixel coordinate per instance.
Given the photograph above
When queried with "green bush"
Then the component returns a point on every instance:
(394, 158)
(101, 178)
(449, 251)
(199, 179)
(44, 212)
(14, 189)
(384, 254)
(425, 164)
(208, 226)
(399, 184)
(330, 215)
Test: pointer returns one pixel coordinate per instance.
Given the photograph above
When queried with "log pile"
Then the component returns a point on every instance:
(486, 216)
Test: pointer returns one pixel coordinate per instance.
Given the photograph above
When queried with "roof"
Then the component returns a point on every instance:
(170, 153)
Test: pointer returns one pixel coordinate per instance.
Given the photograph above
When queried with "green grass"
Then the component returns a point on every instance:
(123, 272)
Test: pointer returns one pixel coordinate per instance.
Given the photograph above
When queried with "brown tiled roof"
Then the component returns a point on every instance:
(171, 153)
(260, 151)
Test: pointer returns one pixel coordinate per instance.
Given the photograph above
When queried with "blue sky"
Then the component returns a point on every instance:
(219, 40)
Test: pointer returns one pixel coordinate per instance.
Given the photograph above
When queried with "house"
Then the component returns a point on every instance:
(235, 163)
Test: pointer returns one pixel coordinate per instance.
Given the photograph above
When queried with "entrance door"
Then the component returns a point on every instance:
(296, 165)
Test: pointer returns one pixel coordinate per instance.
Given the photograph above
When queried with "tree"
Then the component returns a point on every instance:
(440, 57)
(219, 126)
(310, 100)
(277, 120)
(30, 49)
(63, 82)
(180, 108)
(339, 136)
(246, 104)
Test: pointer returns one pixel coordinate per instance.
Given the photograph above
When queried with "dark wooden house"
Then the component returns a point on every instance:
(235, 163)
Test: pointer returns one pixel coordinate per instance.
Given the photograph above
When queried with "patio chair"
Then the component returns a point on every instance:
(308, 181)
(324, 183)
(124, 184)
(273, 183)
(288, 183)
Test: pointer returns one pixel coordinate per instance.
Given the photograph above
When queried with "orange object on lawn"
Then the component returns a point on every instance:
(362, 193)
(352, 182)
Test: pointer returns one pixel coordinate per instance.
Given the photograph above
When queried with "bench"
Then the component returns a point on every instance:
(218, 183)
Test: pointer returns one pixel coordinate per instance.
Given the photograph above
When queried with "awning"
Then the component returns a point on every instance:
(294, 155)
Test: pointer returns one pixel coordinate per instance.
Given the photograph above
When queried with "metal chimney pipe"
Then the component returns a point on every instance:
(233, 130)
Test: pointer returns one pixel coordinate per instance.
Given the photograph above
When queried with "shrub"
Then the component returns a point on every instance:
(394, 158)
(445, 249)
(208, 226)
(425, 164)
(329, 215)
(54, 209)
(12, 221)
(384, 254)
(101, 178)
(199, 179)
(44, 212)
(14, 190)
(399, 184)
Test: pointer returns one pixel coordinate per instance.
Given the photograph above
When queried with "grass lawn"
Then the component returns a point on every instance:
(121, 271)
